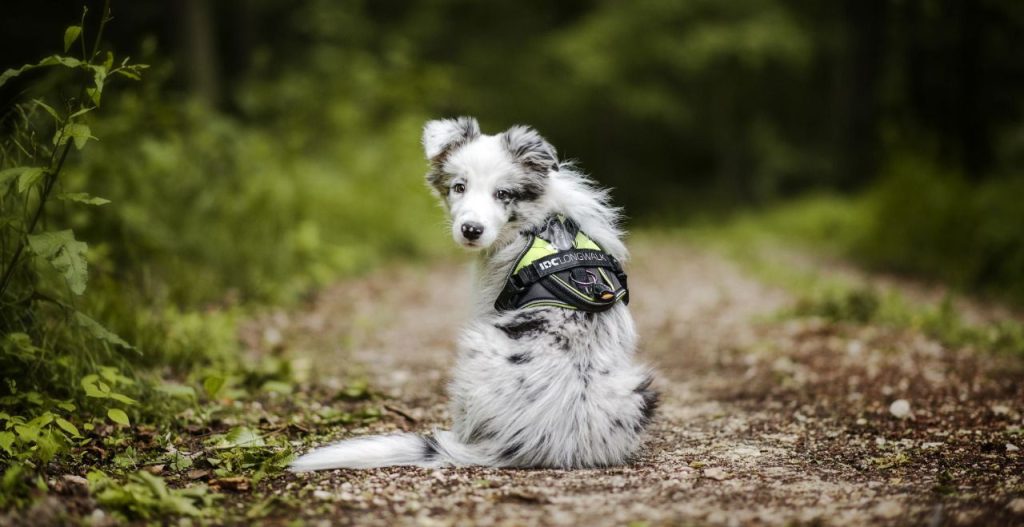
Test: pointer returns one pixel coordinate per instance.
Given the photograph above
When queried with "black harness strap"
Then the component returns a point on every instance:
(551, 279)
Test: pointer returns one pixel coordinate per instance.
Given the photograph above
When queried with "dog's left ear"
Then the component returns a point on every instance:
(530, 149)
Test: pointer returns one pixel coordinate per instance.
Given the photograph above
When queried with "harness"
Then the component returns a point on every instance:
(562, 267)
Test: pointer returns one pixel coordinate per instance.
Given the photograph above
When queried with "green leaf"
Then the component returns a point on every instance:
(96, 330)
(130, 74)
(94, 94)
(113, 375)
(122, 398)
(89, 385)
(82, 112)
(71, 263)
(66, 254)
(11, 174)
(99, 76)
(83, 197)
(179, 391)
(6, 441)
(118, 416)
(213, 384)
(78, 132)
(29, 177)
(49, 109)
(48, 244)
(57, 60)
(240, 437)
(27, 432)
(70, 36)
(66, 426)
(47, 446)
(53, 60)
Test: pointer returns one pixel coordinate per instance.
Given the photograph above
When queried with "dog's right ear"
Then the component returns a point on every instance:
(440, 137)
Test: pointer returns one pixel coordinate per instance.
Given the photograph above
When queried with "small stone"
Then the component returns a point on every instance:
(77, 480)
(717, 473)
(1010, 447)
(900, 408)
(888, 509)
(1016, 506)
(322, 495)
(861, 421)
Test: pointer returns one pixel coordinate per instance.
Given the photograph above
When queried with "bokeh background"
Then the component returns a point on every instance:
(274, 144)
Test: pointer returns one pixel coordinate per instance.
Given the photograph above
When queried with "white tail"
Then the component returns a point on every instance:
(440, 448)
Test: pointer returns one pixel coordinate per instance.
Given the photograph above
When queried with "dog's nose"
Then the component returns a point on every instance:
(472, 230)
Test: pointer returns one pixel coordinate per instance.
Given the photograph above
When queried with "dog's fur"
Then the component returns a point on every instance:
(543, 387)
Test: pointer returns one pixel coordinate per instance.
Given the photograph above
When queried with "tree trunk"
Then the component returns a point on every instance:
(198, 50)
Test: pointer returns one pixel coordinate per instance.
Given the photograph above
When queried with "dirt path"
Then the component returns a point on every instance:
(764, 420)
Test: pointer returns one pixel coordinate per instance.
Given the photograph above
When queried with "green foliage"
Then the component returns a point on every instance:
(857, 305)
(929, 221)
(864, 305)
(46, 337)
(146, 496)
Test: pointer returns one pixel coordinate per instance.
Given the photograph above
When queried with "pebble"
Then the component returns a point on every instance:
(900, 408)
(717, 473)
(888, 509)
(1010, 447)
(77, 480)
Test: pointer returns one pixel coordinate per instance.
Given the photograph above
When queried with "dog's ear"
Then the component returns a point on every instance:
(441, 136)
(530, 149)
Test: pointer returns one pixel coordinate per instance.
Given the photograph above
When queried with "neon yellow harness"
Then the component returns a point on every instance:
(563, 267)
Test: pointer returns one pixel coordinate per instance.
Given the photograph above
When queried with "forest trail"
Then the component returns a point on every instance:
(765, 419)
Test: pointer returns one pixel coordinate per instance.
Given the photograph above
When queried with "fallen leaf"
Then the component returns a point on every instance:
(198, 474)
(234, 483)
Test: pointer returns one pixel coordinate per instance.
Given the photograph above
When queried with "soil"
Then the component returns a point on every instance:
(765, 420)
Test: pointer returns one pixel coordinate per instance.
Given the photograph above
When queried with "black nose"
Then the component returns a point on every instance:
(472, 230)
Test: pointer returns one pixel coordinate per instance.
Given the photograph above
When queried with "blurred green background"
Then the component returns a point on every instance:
(295, 124)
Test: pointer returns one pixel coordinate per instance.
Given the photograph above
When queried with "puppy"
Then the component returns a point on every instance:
(545, 374)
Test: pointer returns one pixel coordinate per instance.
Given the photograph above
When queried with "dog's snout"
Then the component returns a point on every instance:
(472, 230)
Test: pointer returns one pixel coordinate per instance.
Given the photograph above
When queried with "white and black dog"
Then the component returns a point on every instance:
(534, 387)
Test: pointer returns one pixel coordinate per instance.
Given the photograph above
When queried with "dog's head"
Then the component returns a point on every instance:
(491, 185)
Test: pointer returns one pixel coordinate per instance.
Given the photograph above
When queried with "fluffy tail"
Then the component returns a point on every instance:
(437, 449)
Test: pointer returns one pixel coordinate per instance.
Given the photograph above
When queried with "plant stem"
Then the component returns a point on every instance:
(51, 180)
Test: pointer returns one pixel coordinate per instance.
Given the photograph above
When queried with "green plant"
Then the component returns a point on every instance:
(43, 265)
(144, 496)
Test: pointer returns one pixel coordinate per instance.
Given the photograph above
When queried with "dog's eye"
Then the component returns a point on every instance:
(503, 195)
(459, 188)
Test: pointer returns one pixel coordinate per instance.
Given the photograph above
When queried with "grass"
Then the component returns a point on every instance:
(799, 246)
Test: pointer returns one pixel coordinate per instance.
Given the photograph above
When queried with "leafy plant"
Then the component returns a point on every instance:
(43, 265)
(146, 496)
